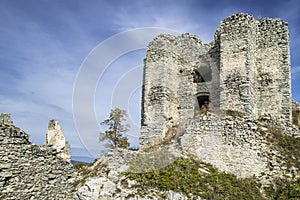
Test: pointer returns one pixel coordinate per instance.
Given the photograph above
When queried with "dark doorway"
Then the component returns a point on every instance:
(203, 101)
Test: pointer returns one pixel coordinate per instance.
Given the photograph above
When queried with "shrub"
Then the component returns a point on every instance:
(184, 176)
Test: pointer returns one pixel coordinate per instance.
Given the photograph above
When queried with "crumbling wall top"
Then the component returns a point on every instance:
(5, 119)
(56, 139)
(28, 171)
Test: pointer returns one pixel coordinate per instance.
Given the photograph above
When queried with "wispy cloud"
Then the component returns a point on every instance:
(296, 70)
(38, 69)
(177, 17)
(42, 45)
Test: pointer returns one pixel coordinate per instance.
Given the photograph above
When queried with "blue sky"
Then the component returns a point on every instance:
(43, 44)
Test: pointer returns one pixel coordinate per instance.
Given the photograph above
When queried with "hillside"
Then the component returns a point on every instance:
(175, 170)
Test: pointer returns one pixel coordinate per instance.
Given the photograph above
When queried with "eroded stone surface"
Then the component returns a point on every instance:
(5, 119)
(56, 139)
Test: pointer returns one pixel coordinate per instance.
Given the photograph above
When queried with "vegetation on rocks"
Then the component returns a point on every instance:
(296, 117)
(284, 188)
(84, 171)
(195, 178)
(234, 113)
(288, 146)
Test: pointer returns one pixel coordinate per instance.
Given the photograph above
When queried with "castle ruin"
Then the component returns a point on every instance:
(245, 69)
(29, 171)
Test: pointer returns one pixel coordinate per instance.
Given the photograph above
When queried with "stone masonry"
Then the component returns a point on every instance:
(219, 103)
(28, 171)
(245, 69)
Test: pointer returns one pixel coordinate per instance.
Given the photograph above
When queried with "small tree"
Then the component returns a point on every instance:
(116, 127)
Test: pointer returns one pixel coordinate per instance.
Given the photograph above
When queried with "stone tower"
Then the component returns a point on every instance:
(246, 69)
(255, 66)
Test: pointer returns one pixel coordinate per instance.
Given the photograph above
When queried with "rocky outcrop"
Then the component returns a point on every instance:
(55, 138)
(28, 171)
(233, 144)
(110, 183)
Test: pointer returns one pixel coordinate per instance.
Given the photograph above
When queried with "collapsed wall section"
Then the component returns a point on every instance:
(28, 171)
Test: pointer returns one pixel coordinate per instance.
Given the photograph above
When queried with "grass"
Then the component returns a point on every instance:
(284, 189)
(288, 146)
(184, 176)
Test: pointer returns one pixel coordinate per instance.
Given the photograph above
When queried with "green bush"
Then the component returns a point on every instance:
(284, 189)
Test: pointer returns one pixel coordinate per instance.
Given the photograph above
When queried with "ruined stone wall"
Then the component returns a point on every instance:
(234, 145)
(237, 68)
(246, 69)
(28, 171)
(5, 119)
(273, 69)
(255, 66)
(169, 88)
(159, 91)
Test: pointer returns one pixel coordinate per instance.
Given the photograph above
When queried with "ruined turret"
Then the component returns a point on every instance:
(246, 69)
(56, 139)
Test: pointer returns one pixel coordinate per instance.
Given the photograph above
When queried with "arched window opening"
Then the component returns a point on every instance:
(197, 77)
(205, 73)
(202, 75)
